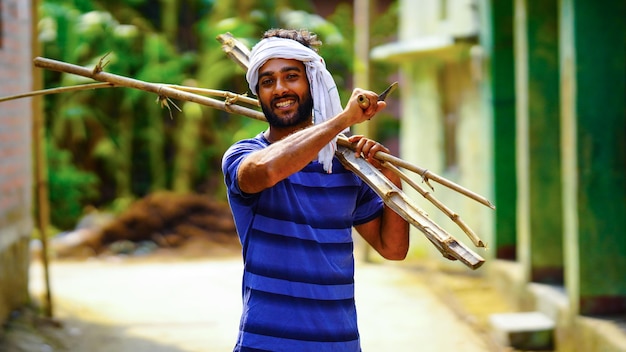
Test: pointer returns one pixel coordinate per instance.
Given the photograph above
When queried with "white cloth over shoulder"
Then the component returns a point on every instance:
(326, 101)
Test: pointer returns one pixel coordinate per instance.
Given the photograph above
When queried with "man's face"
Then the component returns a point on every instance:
(284, 93)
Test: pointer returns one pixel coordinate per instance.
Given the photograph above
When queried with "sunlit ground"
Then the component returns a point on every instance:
(170, 304)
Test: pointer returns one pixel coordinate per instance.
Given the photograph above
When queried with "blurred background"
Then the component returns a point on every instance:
(521, 101)
(108, 147)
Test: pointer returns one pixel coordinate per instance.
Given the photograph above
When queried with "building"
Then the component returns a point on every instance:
(16, 116)
(523, 101)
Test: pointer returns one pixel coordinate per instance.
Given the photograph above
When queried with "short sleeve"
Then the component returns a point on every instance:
(233, 158)
(369, 205)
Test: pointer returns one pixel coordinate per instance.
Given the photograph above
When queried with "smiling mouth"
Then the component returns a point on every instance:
(285, 103)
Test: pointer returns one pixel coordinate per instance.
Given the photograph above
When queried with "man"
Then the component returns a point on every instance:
(294, 204)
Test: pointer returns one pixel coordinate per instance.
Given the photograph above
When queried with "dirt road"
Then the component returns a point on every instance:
(194, 305)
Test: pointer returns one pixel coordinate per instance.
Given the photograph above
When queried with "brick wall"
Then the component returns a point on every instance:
(16, 222)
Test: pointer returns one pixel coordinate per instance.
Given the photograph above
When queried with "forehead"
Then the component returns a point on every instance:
(280, 65)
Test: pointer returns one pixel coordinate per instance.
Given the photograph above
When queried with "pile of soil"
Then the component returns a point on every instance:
(189, 224)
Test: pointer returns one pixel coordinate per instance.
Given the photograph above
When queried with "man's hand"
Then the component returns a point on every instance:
(356, 110)
(367, 148)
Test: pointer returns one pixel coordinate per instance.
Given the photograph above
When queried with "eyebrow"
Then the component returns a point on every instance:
(282, 70)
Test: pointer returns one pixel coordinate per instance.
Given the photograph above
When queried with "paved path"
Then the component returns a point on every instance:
(194, 306)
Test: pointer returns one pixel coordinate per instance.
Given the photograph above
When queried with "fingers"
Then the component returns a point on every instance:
(367, 148)
(373, 109)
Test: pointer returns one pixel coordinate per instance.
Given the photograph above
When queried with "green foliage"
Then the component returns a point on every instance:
(120, 141)
(69, 188)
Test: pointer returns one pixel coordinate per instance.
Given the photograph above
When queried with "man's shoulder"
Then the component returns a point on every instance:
(259, 139)
(257, 142)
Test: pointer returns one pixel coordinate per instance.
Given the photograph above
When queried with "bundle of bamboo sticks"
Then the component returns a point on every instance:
(234, 103)
(394, 197)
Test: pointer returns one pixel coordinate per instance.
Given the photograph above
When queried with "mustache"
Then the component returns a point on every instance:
(293, 96)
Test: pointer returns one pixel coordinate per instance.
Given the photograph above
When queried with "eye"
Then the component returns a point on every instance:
(266, 81)
(292, 76)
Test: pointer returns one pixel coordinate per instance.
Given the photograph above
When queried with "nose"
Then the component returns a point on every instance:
(280, 88)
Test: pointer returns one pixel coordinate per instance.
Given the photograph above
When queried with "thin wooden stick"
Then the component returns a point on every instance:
(58, 90)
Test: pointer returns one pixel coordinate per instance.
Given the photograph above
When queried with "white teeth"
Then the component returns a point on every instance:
(284, 103)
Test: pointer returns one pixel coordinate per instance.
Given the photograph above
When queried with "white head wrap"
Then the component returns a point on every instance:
(326, 102)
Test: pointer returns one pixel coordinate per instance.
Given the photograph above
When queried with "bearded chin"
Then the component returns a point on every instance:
(302, 114)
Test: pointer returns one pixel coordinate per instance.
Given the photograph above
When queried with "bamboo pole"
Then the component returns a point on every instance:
(230, 97)
(162, 90)
(40, 174)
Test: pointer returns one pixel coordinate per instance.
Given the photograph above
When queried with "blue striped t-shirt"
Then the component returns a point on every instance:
(298, 280)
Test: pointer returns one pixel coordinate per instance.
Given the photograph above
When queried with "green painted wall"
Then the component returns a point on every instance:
(497, 39)
(594, 153)
(544, 172)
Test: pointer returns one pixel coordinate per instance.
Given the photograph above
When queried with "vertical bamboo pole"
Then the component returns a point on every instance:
(361, 54)
(39, 154)
(362, 68)
(169, 19)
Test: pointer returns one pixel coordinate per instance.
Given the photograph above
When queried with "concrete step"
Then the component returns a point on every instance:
(527, 331)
